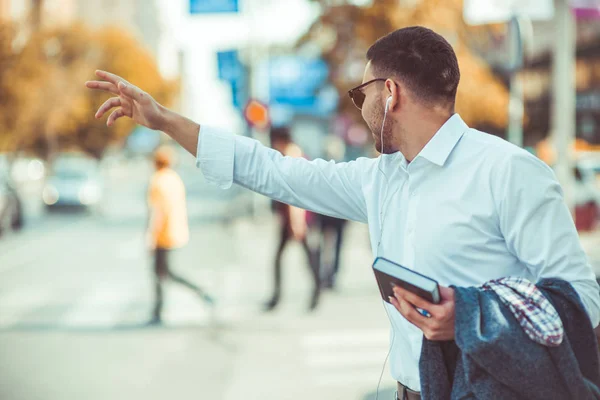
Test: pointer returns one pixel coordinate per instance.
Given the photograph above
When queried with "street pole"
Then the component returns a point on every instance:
(564, 96)
(515, 104)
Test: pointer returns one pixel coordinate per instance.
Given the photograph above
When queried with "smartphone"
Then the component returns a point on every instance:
(388, 273)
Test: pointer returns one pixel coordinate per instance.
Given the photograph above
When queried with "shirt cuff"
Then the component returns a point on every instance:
(215, 156)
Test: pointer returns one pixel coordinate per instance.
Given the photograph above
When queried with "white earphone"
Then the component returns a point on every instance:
(387, 107)
(382, 213)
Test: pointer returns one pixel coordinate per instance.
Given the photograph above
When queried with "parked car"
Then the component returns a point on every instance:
(74, 182)
(11, 208)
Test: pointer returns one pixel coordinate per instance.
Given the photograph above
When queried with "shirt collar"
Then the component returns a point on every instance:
(438, 149)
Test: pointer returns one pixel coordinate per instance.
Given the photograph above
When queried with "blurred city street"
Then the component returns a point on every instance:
(96, 193)
(75, 294)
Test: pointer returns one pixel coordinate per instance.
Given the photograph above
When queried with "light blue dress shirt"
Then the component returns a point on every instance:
(469, 208)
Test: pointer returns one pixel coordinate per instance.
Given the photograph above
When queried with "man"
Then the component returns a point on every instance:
(453, 203)
(293, 226)
(167, 226)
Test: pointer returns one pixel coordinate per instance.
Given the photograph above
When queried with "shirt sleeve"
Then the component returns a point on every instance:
(539, 229)
(328, 188)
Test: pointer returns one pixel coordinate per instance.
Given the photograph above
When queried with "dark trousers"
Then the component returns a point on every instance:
(313, 265)
(329, 271)
(162, 271)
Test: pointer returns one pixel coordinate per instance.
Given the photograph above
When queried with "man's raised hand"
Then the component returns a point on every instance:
(130, 101)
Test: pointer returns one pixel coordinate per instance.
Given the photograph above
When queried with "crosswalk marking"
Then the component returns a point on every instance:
(105, 306)
(133, 249)
(337, 357)
(346, 338)
(99, 307)
(15, 305)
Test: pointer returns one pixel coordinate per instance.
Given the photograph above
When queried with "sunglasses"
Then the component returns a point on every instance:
(358, 96)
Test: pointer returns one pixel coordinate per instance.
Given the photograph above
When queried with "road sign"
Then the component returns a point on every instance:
(229, 65)
(299, 86)
(239, 93)
(478, 12)
(213, 6)
(294, 81)
(257, 114)
(234, 72)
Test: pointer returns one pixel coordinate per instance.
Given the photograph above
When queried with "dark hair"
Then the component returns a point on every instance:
(281, 133)
(422, 59)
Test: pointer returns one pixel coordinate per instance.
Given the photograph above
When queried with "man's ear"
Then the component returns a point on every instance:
(393, 92)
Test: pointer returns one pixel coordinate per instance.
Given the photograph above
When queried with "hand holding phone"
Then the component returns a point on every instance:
(432, 306)
(388, 273)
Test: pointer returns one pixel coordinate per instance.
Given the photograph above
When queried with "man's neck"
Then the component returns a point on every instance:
(415, 135)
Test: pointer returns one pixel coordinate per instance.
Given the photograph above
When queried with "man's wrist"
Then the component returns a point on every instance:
(181, 129)
(165, 119)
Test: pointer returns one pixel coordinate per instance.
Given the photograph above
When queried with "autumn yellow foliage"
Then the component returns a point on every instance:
(482, 99)
(45, 105)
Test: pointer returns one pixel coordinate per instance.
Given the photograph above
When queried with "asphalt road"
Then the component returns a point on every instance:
(76, 293)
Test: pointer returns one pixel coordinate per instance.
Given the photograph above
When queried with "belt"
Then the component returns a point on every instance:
(405, 393)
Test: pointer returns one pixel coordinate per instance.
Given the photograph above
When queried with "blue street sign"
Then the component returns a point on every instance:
(239, 93)
(213, 6)
(300, 84)
(295, 80)
(234, 72)
(230, 67)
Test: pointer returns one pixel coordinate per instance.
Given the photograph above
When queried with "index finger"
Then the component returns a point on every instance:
(114, 79)
(408, 311)
(413, 299)
(101, 85)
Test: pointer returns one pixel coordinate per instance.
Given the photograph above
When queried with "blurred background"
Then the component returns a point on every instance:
(76, 280)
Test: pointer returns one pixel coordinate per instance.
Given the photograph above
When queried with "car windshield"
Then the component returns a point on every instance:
(73, 168)
(71, 173)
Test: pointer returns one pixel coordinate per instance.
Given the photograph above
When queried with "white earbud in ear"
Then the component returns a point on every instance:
(387, 103)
